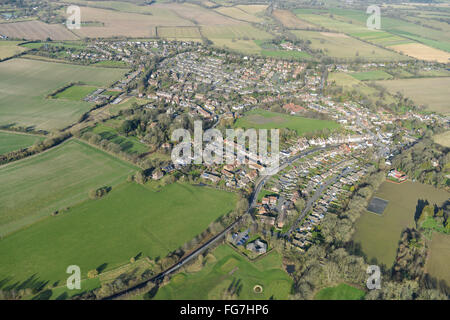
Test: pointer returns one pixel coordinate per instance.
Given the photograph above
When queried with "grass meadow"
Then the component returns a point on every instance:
(226, 266)
(33, 188)
(262, 119)
(437, 260)
(25, 85)
(429, 92)
(75, 92)
(10, 141)
(340, 292)
(132, 219)
(379, 234)
(10, 48)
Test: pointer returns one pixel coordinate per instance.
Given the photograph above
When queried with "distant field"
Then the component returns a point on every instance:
(243, 46)
(443, 139)
(239, 14)
(130, 220)
(290, 20)
(338, 45)
(179, 32)
(228, 266)
(430, 92)
(423, 52)
(10, 141)
(371, 75)
(10, 48)
(437, 261)
(379, 234)
(262, 119)
(35, 187)
(197, 14)
(235, 32)
(340, 292)
(24, 85)
(36, 30)
(116, 23)
(75, 92)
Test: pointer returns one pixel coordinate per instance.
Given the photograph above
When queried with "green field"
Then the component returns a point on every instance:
(127, 144)
(443, 139)
(430, 92)
(10, 48)
(131, 219)
(262, 119)
(371, 75)
(341, 46)
(216, 276)
(75, 92)
(10, 141)
(437, 260)
(340, 292)
(25, 84)
(379, 234)
(63, 176)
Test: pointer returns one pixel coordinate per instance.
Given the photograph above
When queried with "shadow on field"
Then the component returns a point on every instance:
(102, 267)
(32, 282)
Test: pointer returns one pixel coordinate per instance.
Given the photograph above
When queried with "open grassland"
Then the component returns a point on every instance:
(10, 48)
(35, 187)
(290, 20)
(255, 9)
(243, 46)
(443, 139)
(422, 52)
(341, 46)
(239, 14)
(106, 233)
(429, 92)
(179, 32)
(350, 83)
(262, 119)
(340, 292)
(36, 30)
(112, 23)
(197, 14)
(371, 75)
(227, 267)
(235, 32)
(439, 256)
(10, 141)
(25, 84)
(379, 234)
(130, 144)
(75, 92)
(114, 109)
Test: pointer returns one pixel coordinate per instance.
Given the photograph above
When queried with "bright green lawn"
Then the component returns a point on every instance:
(130, 220)
(75, 92)
(10, 141)
(35, 187)
(262, 119)
(215, 277)
(340, 292)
